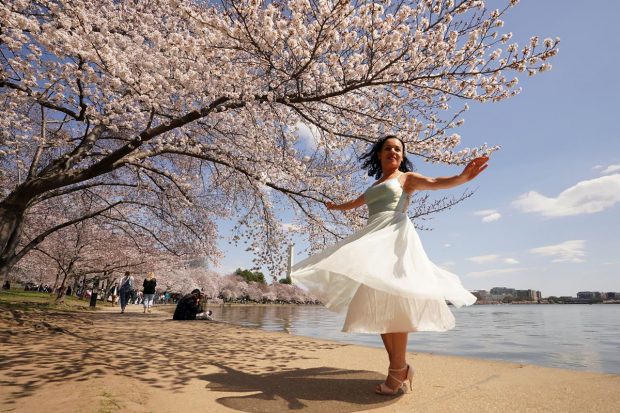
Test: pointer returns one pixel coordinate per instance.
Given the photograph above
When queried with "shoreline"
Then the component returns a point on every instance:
(467, 340)
(106, 362)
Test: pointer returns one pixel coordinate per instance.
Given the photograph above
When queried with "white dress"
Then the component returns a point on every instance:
(381, 275)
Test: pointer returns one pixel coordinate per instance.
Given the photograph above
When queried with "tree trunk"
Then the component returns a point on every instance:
(60, 296)
(11, 220)
(108, 285)
(83, 289)
(4, 274)
(55, 286)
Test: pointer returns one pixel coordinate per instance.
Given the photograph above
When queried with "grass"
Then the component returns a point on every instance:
(31, 300)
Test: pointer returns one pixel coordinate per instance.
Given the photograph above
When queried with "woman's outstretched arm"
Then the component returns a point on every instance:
(347, 205)
(416, 182)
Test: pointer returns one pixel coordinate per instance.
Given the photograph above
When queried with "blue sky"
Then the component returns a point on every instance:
(545, 214)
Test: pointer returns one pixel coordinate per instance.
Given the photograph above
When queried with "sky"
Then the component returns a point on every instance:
(546, 212)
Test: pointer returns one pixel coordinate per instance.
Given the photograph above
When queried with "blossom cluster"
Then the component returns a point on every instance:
(195, 105)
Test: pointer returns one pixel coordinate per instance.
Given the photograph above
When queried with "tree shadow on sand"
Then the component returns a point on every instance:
(319, 390)
(43, 348)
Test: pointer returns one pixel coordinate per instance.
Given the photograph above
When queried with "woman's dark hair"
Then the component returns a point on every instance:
(370, 160)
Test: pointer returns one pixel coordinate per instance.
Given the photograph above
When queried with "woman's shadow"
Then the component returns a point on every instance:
(320, 390)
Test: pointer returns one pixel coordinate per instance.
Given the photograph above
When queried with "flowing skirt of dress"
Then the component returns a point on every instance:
(383, 279)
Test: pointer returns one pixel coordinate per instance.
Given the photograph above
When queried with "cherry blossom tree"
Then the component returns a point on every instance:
(89, 249)
(35, 269)
(169, 114)
(184, 277)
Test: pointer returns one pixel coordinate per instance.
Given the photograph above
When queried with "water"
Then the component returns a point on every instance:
(581, 337)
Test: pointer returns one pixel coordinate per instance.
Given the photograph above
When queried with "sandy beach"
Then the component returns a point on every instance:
(55, 361)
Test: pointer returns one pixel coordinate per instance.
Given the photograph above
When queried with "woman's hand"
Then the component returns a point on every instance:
(474, 167)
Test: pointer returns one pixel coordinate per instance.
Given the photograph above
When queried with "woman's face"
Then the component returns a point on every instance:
(391, 154)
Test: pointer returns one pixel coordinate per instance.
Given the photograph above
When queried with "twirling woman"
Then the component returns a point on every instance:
(381, 275)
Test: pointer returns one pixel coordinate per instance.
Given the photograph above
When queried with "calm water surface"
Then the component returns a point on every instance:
(582, 337)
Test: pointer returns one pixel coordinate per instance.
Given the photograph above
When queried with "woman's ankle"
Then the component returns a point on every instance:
(398, 365)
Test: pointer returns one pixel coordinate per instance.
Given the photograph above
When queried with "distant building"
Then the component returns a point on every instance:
(522, 295)
(503, 291)
(586, 295)
(597, 296)
(528, 295)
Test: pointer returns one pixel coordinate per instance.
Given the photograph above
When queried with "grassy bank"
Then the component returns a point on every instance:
(34, 300)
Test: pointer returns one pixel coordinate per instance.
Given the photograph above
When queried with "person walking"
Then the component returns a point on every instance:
(380, 275)
(149, 285)
(125, 288)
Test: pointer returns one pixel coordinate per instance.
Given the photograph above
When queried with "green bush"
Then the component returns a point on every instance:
(248, 275)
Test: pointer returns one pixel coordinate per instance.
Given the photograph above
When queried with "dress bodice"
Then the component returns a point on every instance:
(386, 196)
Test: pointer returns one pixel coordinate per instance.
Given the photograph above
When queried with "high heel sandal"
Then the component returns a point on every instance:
(384, 389)
(410, 373)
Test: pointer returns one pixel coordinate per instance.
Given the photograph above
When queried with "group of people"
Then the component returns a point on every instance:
(126, 289)
(42, 288)
(189, 307)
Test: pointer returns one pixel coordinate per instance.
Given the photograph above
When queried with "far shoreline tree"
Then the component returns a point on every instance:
(251, 276)
(168, 118)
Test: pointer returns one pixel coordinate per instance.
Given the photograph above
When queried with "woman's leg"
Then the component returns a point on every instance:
(399, 350)
(396, 347)
(387, 343)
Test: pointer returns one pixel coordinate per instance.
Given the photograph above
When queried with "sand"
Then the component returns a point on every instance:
(103, 362)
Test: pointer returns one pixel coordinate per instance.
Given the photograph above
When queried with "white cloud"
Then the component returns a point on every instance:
(597, 167)
(447, 245)
(482, 259)
(567, 251)
(611, 169)
(488, 215)
(492, 272)
(486, 259)
(492, 217)
(586, 197)
(483, 212)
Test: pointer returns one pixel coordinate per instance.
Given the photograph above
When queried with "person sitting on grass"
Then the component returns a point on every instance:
(188, 308)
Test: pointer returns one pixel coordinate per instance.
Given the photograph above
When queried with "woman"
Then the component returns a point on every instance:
(381, 275)
(149, 285)
(125, 288)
